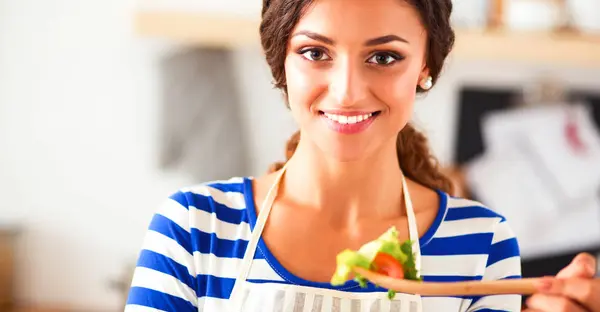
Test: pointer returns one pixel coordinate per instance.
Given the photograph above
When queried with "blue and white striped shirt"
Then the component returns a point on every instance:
(196, 241)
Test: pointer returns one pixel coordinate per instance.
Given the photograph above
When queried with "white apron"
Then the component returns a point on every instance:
(277, 297)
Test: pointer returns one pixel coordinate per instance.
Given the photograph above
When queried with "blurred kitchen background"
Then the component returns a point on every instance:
(106, 107)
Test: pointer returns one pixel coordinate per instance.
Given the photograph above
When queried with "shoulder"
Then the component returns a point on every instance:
(203, 220)
(206, 208)
(211, 196)
(474, 225)
(476, 215)
(470, 228)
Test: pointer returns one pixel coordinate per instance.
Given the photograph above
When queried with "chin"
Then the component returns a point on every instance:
(345, 151)
(339, 147)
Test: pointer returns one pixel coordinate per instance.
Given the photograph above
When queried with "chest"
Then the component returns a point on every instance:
(307, 244)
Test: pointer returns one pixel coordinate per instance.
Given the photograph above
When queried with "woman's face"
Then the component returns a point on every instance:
(352, 70)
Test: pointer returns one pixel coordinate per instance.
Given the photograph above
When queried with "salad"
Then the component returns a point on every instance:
(386, 255)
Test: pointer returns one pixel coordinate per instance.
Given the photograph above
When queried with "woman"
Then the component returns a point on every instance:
(350, 71)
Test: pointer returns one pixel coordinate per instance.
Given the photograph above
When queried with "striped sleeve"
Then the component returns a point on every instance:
(504, 262)
(165, 276)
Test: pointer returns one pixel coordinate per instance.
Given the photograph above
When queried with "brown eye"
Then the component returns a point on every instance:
(314, 54)
(384, 59)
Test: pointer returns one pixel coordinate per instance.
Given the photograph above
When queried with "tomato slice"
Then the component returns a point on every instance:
(388, 265)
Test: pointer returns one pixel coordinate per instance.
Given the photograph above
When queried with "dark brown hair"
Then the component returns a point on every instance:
(279, 17)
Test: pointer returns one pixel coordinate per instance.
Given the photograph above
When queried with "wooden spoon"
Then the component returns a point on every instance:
(524, 286)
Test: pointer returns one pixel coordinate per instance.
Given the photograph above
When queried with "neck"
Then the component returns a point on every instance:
(363, 189)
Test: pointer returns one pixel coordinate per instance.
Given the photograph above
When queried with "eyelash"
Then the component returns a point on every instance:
(303, 51)
(395, 57)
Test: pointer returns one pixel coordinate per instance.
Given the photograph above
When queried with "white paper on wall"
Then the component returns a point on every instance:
(540, 178)
(562, 138)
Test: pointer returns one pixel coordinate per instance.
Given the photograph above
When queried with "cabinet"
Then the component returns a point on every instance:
(7, 267)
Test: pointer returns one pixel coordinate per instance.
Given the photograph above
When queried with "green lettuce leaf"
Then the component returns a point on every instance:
(410, 267)
(346, 260)
(391, 294)
(387, 243)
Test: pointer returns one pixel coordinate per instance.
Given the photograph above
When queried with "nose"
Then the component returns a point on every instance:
(347, 84)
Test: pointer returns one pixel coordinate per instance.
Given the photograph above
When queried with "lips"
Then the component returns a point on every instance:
(348, 122)
(344, 119)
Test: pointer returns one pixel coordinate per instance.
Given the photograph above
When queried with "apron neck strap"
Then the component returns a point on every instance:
(263, 214)
(413, 231)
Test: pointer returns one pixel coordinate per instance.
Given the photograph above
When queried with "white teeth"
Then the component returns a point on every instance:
(332, 117)
(348, 119)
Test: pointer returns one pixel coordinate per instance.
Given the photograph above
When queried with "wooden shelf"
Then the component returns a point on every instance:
(569, 49)
(207, 29)
(198, 28)
(40, 309)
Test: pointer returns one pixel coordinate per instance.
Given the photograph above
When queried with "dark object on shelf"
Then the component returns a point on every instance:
(592, 99)
(474, 103)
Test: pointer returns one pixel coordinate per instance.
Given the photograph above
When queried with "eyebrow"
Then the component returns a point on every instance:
(314, 36)
(370, 42)
(384, 39)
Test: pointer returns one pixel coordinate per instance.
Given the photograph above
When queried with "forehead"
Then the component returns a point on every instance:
(357, 20)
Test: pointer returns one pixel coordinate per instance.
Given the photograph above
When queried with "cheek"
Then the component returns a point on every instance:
(398, 92)
(304, 85)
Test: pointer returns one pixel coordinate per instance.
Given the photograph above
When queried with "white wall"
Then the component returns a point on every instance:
(78, 95)
(266, 114)
(78, 109)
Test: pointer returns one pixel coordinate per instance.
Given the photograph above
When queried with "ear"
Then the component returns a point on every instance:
(424, 74)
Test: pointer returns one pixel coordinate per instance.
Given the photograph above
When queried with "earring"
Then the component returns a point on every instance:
(427, 83)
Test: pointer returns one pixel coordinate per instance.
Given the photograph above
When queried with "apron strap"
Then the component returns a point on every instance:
(413, 231)
(263, 214)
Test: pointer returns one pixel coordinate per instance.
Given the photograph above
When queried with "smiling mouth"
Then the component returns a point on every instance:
(350, 119)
